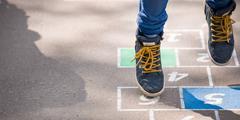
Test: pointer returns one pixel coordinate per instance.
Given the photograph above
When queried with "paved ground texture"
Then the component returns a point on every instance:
(71, 60)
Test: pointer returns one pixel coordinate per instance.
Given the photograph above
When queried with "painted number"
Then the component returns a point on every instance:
(175, 76)
(148, 101)
(214, 98)
(203, 57)
(188, 118)
(172, 37)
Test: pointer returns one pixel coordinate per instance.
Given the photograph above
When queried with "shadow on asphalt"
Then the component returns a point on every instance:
(30, 81)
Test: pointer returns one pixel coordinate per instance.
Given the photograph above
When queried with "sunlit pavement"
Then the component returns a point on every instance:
(71, 60)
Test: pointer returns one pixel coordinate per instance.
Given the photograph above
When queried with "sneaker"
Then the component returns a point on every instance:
(221, 39)
(149, 72)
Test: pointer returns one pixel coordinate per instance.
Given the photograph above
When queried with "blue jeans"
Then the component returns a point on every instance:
(152, 14)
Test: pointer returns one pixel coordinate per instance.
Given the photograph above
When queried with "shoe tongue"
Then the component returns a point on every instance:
(148, 43)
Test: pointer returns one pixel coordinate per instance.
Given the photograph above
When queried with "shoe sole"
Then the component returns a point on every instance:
(150, 94)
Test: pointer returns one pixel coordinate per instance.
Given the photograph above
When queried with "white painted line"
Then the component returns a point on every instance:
(185, 48)
(202, 39)
(126, 66)
(118, 57)
(182, 30)
(235, 58)
(209, 73)
(119, 99)
(216, 115)
(127, 87)
(177, 58)
(181, 98)
(151, 115)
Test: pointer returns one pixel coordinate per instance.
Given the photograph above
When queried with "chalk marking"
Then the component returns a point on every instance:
(151, 115)
(183, 30)
(188, 118)
(177, 58)
(175, 76)
(173, 37)
(216, 115)
(118, 57)
(181, 98)
(119, 103)
(146, 101)
(202, 39)
(209, 73)
(214, 98)
(119, 99)
(203, 57)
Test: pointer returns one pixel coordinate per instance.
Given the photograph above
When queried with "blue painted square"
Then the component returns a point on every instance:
(212, 98)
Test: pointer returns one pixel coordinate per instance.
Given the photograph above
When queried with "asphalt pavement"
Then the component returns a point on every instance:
(71, 60)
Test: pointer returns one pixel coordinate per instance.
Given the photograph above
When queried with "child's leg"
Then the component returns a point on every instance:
(152, 16)
(217, 4)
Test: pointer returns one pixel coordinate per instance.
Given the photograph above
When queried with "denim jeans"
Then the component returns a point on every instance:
(152, 14)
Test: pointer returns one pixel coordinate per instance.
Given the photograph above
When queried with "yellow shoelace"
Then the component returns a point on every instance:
(148, 58)
(221, 28)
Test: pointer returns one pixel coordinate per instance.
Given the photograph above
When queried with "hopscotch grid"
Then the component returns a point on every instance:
(210, 79)
(119, 100)
(174, 48)
(178, 61)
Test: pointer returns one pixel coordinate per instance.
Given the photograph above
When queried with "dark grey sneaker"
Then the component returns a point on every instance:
(149, 72)
(221, 39)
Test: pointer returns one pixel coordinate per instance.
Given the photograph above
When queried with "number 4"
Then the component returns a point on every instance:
(175, 76)
(203, 57)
